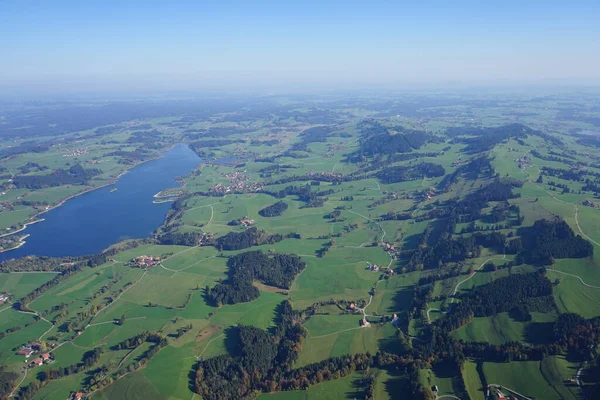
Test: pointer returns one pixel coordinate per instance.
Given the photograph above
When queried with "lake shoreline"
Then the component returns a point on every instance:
(91, 214)
(88, 190)
(21, 243)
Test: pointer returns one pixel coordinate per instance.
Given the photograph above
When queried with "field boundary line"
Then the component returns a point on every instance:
(473, 274)
(208, 344)
(12, 394)
(335, 333)
(118, 297)
(574, 276)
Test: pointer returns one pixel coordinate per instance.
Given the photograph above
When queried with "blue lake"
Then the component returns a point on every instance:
(92, 222)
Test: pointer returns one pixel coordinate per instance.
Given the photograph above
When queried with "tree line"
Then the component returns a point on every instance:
(76, 175)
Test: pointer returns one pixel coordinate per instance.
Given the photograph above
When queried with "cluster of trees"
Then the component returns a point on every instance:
(277, 270)
(76, 175)
(262, 357)
(553, 156)
(263, 363)
(335, 215)
(198, 146)
(396, 216)
(248, 238)
(444, 251)
(377, 139)
(469, 209)
(408, 156)
(138, 340)
(477, 167)
(588, 140)
(566, 174)
(89, 359)
(273, 210)
(433, 252)
(401, 173)
(173, 237)
(7, 382)
(27, 167)
(304, 193)
(130, 157)
(503, 295)
(547, 240)
(311, 135)
(484, 139)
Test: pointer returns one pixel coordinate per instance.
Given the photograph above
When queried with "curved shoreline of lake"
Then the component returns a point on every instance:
(93, 220)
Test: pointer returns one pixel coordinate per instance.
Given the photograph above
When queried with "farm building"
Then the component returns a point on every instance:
(145, 261)
(373, 267)
(25, 352)
(76, 396)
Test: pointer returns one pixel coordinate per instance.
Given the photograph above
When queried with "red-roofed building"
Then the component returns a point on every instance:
(45, 356)
(38, 361)
(25, 352)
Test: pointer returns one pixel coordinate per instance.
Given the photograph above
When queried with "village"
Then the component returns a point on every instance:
(145, 261)
(523, 162)
(238, 184)
(76, 152)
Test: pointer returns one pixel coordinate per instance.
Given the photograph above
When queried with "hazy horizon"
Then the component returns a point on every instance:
(68, 47)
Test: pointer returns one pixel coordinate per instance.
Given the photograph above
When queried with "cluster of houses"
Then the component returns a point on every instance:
(4, 297)
(589, 204)
(36, 348)
(76, 396)
(390, 249)
(246, 222)
(238, 184)
(373, 267)
(76, 152)
(380, 268)
(429, 193)
(523, 162)
(458, 162)
(145, 261)
(205, 237)
(43, 358)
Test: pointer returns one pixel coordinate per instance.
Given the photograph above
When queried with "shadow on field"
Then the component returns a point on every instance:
(398, 383)
(192, 378)
(400, 301)
(539, 332)
(412, 241)
(359, 386)
(232, 341)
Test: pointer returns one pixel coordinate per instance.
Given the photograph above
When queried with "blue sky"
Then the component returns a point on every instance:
(226, 44)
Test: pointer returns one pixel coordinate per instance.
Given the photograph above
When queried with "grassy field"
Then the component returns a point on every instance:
(173, 295)
(349, 387)
(524, 377)
(501, 328)
(350, 338)
(472, 381)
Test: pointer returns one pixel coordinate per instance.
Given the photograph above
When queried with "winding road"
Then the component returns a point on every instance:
(474, 272)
